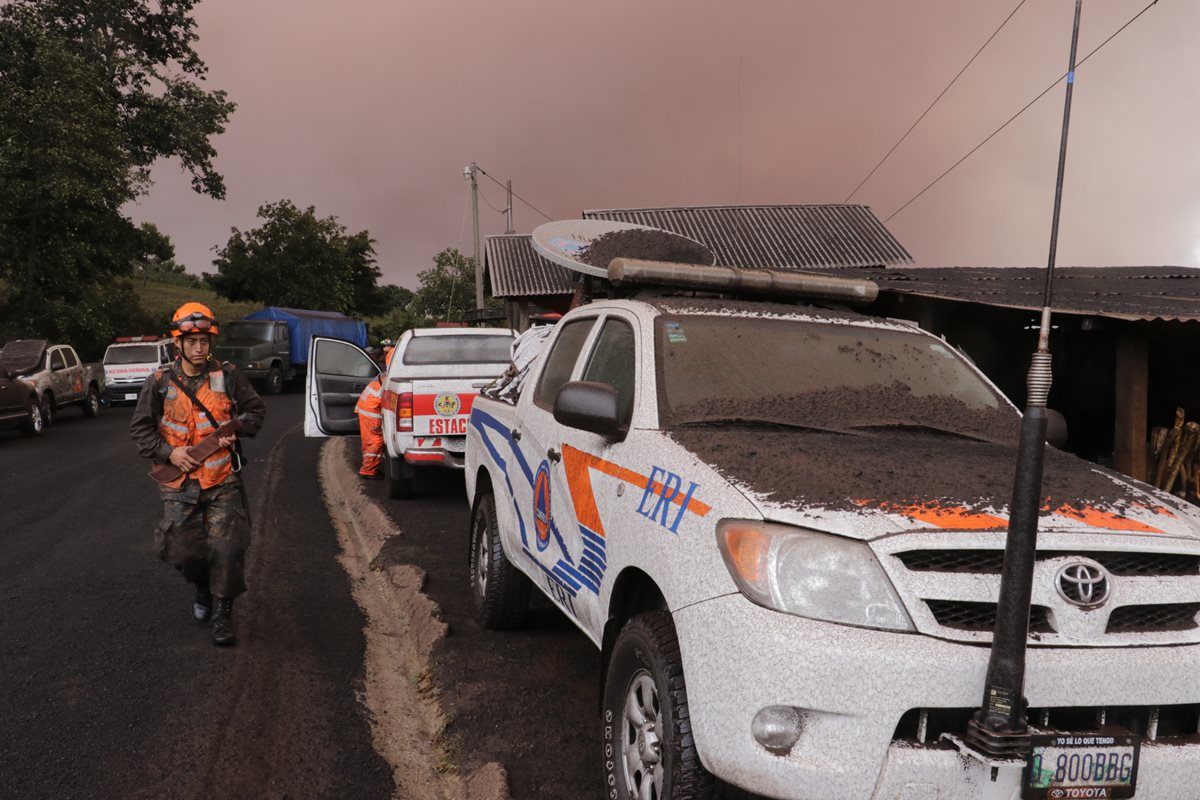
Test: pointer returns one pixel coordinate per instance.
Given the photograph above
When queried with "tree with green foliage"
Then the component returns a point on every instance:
(299, 260)
(157, 262)
(92, 93)
(447, 289)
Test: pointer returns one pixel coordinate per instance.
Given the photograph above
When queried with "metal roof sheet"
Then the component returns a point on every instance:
(517, 270)
(1130, 293)
(776, 236)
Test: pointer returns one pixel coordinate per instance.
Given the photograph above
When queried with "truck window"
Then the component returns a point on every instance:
(613, 361)
(459, 349)
(56, 360)
(343, 360)
(69, 357)
(243, 331)
(131, 354)
(561, 360)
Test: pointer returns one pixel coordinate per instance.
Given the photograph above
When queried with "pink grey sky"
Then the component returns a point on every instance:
(369, 109)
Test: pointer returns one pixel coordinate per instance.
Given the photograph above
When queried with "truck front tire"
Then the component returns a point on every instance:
(47, 407)
(274, 381)
(648, 749)
(33, 424)
(499, 591)
(91, 402)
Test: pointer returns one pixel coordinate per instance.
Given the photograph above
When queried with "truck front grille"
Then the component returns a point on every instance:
(990, 561)
(1153, 597)
(965, 616)
(1175, 724)
(1157, 617)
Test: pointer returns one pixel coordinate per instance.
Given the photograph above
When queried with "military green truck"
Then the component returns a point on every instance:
(270, 346)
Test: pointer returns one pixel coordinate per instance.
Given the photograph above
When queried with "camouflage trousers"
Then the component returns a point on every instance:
(204, 533)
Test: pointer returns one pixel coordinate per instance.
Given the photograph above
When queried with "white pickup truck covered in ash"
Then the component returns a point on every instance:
(433, 379)
(783, 526)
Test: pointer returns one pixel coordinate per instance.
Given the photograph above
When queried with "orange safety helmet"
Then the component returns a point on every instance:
(193, 318)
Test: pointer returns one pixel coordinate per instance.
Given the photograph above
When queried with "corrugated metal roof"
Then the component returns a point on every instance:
(796, 236)
(1131, 293)
(517, 270)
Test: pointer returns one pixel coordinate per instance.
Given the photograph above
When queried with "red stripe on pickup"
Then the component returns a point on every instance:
(423, 404)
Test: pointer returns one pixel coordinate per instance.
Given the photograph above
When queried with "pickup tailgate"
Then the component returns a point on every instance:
(442, 407)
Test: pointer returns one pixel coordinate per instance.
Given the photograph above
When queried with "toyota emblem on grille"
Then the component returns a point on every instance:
(1083, 583)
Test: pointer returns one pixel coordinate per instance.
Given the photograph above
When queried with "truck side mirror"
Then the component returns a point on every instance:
(590, 406)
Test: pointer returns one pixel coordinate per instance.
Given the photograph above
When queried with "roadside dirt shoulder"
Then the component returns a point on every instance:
(408, 723)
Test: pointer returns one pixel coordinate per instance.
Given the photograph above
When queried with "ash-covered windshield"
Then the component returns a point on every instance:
(821, 375)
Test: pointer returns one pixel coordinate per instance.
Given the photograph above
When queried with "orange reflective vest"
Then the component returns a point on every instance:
(184, 425)
(370, 402)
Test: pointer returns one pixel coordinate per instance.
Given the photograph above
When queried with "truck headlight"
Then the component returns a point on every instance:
(810, 574)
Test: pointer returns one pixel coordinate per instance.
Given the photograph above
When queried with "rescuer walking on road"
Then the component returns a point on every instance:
(370, 425)
(205, 528)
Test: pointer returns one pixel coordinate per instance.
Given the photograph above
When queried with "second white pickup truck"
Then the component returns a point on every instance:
(428, 391)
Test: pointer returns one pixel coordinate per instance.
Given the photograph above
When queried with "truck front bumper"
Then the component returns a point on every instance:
(116, 393)
(852, 686)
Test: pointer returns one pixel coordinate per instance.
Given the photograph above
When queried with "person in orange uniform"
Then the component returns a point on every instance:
(370, 425)
(205, 529)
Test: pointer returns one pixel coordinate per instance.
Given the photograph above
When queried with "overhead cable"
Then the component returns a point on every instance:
(514, 194)
(900, 141)
(1025, 108)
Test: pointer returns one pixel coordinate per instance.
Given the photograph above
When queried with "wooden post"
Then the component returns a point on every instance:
(1129, 427)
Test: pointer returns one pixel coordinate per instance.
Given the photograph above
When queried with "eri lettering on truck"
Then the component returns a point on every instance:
(661, 492)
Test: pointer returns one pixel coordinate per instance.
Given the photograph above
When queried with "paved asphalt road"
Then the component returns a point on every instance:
(109, 690)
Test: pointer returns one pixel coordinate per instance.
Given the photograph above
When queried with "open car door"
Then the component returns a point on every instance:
(337, 373)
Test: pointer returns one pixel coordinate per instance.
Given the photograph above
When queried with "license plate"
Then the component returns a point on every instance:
(1082, 767)
(131, 397)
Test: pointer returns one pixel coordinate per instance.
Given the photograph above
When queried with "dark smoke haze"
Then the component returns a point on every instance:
(369, 109)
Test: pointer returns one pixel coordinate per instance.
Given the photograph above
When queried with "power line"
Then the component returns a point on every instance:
(934, 103)
(489, 202)
(514, 194)
(1043, 93)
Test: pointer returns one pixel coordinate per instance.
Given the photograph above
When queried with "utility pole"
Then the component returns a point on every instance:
(1000, 728)
(508, 211)
(469, 174)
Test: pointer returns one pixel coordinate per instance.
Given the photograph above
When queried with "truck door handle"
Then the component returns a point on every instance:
(515, 434)
(553, 455)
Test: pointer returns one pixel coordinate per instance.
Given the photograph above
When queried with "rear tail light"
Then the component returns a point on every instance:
(404, 412)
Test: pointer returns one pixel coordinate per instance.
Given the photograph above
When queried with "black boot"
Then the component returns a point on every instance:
(202, 604)
(222, 622)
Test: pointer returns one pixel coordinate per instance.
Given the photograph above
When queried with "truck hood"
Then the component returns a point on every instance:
(882, 483)
(23, 356)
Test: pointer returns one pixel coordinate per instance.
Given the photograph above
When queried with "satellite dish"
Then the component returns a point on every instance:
(566, 243)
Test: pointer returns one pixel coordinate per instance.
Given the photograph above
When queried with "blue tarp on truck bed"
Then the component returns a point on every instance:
(304, 324)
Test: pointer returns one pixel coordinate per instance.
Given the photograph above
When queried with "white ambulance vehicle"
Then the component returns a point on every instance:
(783, 528)
(129, 361)
(434, 378)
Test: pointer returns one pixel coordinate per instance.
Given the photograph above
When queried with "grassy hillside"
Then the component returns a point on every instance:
(161, 299)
